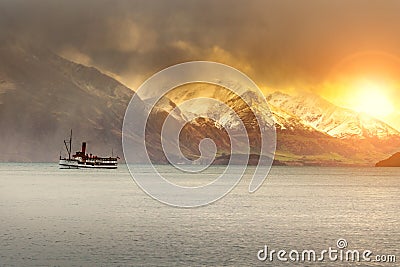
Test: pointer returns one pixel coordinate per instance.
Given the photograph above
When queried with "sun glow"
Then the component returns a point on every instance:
(371, 98)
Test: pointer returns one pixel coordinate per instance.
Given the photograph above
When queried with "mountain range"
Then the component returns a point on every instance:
(340, 136)
(43, 96)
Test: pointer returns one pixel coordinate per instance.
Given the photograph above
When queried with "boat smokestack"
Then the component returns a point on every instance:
(84, 148)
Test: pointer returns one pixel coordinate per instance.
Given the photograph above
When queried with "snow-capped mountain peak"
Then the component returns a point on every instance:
(328, 118)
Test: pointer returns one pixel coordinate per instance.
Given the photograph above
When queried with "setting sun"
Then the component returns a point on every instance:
(371, 99)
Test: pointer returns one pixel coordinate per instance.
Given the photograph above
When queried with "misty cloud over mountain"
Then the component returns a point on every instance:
(43, 96)
(277, 43)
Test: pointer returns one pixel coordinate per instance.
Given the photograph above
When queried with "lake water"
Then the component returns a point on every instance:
(52, 217)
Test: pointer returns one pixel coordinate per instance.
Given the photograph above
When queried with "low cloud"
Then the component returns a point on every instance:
(279, 44)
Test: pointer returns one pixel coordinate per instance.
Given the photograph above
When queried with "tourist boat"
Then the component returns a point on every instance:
(81, 159)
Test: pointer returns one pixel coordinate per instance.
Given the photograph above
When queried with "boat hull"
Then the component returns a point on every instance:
(75, 164)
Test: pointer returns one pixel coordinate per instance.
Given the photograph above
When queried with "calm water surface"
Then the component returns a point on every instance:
(52, 217)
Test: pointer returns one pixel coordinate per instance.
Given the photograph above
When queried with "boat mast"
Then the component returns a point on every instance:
(69, 148)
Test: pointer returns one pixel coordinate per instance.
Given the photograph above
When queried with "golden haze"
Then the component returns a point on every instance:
(367, 82)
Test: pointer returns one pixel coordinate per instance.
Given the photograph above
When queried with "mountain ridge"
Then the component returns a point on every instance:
(326, 117)
(52, 95)
(43, 96)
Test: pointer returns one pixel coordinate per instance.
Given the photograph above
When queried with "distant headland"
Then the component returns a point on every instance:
(393, 161)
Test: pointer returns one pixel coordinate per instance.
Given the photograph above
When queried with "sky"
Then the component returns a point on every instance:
(347, 51)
